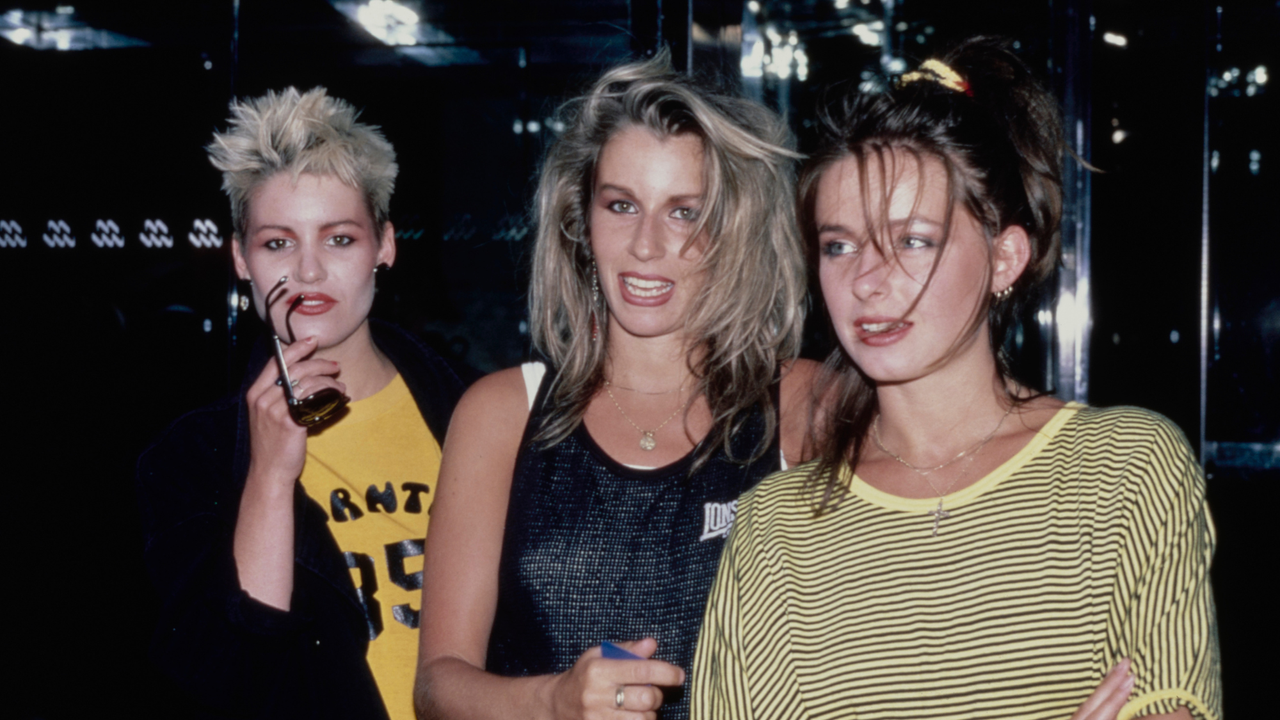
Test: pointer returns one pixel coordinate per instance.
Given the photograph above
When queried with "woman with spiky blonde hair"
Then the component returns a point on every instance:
(584, 501)
(257, 509)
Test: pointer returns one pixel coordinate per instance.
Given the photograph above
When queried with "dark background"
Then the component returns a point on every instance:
(1172, 247)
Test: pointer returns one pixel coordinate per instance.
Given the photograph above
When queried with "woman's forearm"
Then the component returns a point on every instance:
(264, 540)
(453, 689)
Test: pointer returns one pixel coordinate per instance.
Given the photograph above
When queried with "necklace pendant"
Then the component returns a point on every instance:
(647, 442)
(938, 516)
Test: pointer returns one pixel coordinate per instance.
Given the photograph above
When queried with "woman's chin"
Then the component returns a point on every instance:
(648, 327)
(890, 374)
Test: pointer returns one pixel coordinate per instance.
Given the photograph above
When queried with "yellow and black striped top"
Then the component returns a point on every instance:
(1090, 545)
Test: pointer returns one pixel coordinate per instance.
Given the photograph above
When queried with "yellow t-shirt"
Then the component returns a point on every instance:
(374, 472)
(1091, 544)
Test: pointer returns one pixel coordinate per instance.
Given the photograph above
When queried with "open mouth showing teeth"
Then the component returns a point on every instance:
(881, 327)
(647, 288)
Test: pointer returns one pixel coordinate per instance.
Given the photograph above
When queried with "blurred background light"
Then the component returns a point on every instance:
(753, 60)
(59, 30)
(389, 21)
(867, 34)
(780, 62)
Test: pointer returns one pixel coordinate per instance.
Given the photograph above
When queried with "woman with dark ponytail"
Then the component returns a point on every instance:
(963, 545)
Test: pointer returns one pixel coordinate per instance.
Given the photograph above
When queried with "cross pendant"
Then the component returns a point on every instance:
(938, 516)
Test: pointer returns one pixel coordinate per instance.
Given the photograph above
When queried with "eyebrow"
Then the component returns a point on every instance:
(892, 223)
(616, 188)
(673, 198)
(326, 226)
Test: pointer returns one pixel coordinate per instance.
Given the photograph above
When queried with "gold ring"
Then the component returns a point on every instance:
(620, 697)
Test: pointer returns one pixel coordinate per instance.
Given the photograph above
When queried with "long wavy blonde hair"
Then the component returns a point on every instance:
(749, 314)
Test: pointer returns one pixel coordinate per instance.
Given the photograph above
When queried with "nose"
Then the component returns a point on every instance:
(310, 268)
(871, 276)
(649, 240)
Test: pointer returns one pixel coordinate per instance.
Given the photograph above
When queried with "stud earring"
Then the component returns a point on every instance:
(244, 296)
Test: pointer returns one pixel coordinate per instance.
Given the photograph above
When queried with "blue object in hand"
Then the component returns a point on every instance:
(613, 652)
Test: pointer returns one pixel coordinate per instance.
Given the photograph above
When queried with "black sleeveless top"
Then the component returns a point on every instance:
(595, 550)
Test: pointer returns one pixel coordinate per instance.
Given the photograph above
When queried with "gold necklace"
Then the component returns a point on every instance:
(647, 441)
(938, 513)
(645, 392)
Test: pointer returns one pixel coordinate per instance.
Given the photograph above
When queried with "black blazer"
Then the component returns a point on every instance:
(234, 656)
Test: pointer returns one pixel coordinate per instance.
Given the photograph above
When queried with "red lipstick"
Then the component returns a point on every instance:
(312, 303)
(645, 290)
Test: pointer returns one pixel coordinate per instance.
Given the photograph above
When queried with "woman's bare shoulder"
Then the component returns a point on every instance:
(494, 409)
(502, 387)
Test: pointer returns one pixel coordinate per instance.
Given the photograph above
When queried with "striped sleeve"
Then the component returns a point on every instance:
(719, 685)
(735, 640)
(1163, 617)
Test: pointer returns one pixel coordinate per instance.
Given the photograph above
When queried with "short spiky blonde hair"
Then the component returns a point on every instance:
(300, 133)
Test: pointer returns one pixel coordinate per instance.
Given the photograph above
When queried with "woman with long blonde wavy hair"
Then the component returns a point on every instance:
(584, 500)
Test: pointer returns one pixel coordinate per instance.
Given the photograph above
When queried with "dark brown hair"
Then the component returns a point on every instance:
(1002, 145)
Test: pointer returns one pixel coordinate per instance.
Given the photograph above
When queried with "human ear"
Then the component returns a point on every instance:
(387, 245)
(237, 255)
(1010, 253)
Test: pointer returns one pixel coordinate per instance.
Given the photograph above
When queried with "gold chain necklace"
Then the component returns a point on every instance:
(645, 392)
(647, 441)
(938, 513)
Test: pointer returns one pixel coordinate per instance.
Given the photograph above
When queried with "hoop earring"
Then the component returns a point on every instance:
(1004, 294)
